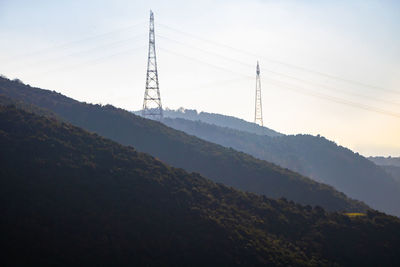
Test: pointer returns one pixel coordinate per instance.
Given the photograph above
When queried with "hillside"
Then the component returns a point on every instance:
(394, 171)
(70, 197)
(311, 156)
(178, 149)
(390, 164)
(221, 120)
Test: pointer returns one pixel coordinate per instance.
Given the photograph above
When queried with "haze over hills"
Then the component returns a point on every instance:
(390, 164)
(72, 197)
(181, 150)
(84, 184)
(394, 171)
(218, 119)
(386, 161)
(312, 156)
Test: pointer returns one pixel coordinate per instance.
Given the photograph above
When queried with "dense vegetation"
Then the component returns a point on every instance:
(312, 156)
(69, 197)
(181, 150)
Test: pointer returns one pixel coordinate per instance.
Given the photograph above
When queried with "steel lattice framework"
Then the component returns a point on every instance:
(152, 107)
(258, 118)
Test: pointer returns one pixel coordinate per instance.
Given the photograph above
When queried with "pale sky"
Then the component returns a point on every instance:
(327, 67)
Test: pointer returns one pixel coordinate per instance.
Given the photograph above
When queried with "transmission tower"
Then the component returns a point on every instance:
(258, 118)
(152, 108)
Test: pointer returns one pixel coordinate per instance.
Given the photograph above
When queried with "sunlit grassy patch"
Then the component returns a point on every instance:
(354, 214)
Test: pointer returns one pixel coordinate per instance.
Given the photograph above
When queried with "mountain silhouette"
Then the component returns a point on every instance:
(178, 149)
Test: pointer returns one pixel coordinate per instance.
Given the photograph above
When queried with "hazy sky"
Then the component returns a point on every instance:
(328, 67)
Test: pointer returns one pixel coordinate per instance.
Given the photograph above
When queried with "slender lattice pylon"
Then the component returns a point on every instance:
(152, 107)
(258, 118)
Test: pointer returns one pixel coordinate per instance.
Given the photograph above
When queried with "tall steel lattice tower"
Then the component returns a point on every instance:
(258, 118)
(152, 107)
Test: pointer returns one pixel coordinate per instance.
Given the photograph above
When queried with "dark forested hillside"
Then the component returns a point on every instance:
(311, 156)
(181, 150)
(69, 197)
(221, 120)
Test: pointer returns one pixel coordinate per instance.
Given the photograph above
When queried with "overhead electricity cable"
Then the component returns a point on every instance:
(219, 82)
(93, 61)
(330, 76)
(74, 42)
(205, 51)
(332, 98)
(295, 88)
(319, 85)
(205, 63)
(278, 73)
(84, 52)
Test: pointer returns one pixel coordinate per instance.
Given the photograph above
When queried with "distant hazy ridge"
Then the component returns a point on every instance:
(312, 156)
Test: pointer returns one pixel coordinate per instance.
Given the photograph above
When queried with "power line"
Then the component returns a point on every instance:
(330, 76)
(137, 37)
(72, 43)
(278, 73)
(319, 85)
(206, 51)
(206, 63)
(297, 89)
(217, 82)
(93, 61)
(278, 83)
(333, 98)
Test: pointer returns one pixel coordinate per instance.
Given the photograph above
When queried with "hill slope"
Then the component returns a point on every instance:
(181, 150)
(390, 164)
(311, 156)
(394, 171)
(221, 120)
(73, 198)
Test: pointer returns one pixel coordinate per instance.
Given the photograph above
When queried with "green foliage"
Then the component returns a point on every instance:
(178, 149)
(70, 197)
